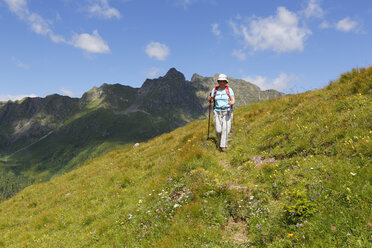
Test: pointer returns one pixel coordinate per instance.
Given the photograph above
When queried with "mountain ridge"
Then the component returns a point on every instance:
(298, 173)
(45, 137)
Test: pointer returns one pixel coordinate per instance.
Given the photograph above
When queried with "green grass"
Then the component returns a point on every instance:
(96, 132)
(176, 190)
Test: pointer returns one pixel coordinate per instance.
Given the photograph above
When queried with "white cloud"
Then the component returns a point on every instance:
(216, 30)
(57, 38)
(235, 27)
(90, 43)
(280, 33)
(67, 92)
(101, 8)
(4, 98)
(325, 25)
(38, 24)
(20, 64)
(152, 72)
(157, 50)
(280, 83)
(186, 3)
(346, 25)
(19, 7)
(239, 54)
(313, 9)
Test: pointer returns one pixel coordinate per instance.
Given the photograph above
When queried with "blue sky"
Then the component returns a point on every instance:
(68, 47)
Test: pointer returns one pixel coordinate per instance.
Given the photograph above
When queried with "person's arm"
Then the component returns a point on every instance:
(210, 97)
(232, 100)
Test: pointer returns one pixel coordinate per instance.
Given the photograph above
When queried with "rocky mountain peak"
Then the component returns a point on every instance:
(174, 75)
(196, 77)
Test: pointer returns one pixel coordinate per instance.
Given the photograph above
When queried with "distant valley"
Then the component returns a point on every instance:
(41, 138)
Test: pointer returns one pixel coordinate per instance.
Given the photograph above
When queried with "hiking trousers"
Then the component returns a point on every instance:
(222, 124)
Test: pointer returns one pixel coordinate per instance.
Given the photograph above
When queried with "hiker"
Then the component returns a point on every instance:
(223, 100)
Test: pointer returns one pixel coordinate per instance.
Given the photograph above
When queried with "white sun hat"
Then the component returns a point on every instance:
(222, 77)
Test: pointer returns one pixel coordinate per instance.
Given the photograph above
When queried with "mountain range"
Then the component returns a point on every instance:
(42, 138)
(297, 174)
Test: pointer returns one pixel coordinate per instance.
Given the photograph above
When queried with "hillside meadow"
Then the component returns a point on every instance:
(297, 174)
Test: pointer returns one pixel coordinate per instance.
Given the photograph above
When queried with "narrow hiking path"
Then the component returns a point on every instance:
(237, 229)
(33, 143)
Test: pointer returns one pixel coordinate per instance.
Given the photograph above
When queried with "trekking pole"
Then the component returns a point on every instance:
(232, 128)
(209, 119)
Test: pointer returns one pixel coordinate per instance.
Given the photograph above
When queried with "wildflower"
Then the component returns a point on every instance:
(188, 140)
(140, 201)
(312, 198)
(369, 224)
(202, 203)
(251, 197)
(353, 174)
(312, 187)
(259, 226)
(176, 205)
(293, 213)
(290, 235)
(333, 228)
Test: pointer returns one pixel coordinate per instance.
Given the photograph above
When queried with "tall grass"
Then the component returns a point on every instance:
(298, 174)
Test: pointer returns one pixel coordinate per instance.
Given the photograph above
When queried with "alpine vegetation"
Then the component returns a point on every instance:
(297, 174)
(41, 138)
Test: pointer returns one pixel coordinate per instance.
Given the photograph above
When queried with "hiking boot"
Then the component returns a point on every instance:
(223, 149)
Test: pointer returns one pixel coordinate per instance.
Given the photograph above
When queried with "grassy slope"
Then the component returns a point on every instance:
(178, 191)
(79, 139)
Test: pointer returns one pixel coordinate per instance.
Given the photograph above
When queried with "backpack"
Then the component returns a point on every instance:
(214, 95)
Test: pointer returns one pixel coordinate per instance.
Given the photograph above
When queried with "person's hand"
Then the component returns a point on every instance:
(210, 99)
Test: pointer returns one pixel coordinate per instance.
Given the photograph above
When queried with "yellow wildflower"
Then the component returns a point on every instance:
(290, 234)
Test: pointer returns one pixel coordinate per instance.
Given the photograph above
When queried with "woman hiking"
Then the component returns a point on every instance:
(223, 100)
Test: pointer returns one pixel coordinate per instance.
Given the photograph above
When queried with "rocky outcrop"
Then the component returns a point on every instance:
(169, 95)
(23, 122)
(170, 100)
